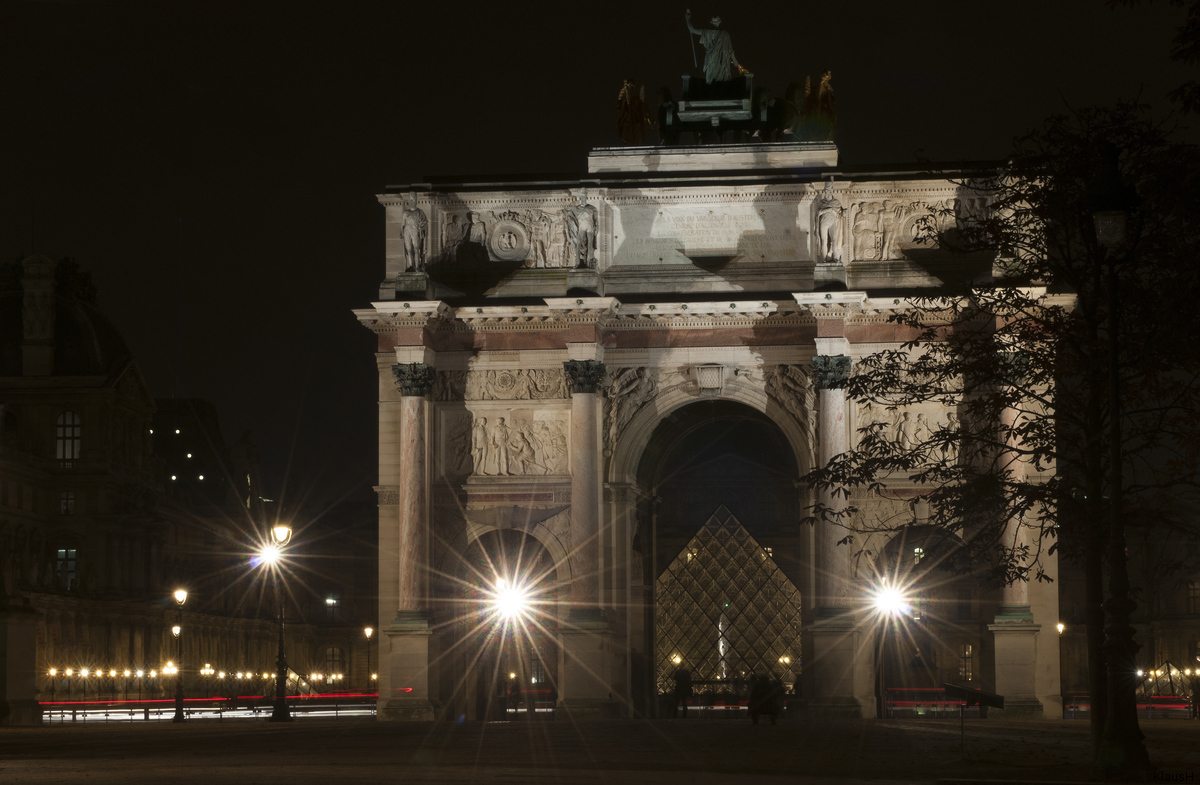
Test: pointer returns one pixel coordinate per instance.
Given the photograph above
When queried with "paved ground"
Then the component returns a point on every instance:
(613, 753)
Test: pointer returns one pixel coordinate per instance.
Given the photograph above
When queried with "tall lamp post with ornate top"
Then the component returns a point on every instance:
(177, 631)
(270, 555)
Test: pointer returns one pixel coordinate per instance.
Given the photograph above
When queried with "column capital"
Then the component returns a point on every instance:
(584, 376)
(413, 379)
(831, 371)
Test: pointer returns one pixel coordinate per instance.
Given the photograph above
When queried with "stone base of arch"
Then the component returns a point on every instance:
(408, 676)
(589, 663)
(839, 668)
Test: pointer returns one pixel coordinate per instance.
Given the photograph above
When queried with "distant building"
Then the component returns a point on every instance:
(110, 500)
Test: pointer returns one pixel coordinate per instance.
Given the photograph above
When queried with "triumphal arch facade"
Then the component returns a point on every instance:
(601, 393)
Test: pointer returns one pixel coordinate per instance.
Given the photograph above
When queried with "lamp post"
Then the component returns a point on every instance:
(369, 631)
(177, 631)
(271, 553)
(1122, 753)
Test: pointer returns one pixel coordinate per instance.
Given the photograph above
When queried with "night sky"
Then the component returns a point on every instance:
(214, 166)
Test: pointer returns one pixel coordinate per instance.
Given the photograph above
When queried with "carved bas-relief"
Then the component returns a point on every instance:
(519, 384)
(509, 238)
(507, 443)
(909, 427)
(631, 389)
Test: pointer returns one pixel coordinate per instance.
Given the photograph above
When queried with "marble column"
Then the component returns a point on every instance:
(409, 632)
(832, 561)
(584, 377)
(1015, 633)
(586, 678)
(840, 662)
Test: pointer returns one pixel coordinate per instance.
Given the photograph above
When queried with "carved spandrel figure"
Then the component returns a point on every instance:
(581, 231)
(413, 229)
(719, 58)
(829, 214)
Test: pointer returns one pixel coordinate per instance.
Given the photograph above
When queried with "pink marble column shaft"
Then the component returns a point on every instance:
(1016, 593)
(833, 560)
(412, 523)
(585, 500)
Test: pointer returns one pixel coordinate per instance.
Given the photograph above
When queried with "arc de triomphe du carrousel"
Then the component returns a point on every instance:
(596, 398)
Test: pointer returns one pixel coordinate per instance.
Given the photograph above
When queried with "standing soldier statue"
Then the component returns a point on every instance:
(412, 231)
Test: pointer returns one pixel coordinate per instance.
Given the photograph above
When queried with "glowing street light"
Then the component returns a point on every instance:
(180, 599)
(890, 601)
(509, 600)
(270, 555)
(368, 631)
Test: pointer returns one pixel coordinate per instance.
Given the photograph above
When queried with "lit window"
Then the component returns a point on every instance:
(1193, 597)
(966, 663)
(334, 662)
(333, 608)
(918, 554)
(66, 568)
(68, 437)
(66, 503)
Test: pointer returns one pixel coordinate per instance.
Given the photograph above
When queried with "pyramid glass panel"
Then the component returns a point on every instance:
(739, 615)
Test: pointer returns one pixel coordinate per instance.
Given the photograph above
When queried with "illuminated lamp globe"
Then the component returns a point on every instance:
(176, 629)
(509, 600)
(281, 534)
(180, 596)
(889, 601)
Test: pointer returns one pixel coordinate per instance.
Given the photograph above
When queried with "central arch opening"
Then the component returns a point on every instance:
(726, 556)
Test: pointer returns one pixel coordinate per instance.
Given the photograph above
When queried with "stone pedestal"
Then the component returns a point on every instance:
(407, 671)
(18, 641)
(839, 668)
(1015, 639)
(585, 682)
(411, 284)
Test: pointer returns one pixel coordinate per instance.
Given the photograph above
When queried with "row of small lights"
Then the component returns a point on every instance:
(170, 668)
(99, 674)
(1186, 672)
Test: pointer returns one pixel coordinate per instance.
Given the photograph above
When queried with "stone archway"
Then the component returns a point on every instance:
(489, 658)
(730, 458)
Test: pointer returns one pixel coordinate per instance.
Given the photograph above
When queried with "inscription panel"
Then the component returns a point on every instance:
(686, 234)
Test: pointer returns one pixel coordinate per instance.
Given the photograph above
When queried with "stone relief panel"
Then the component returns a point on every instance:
(534, 236)
(518, 384)
(792, 388)
(505, 442)
(629, 390)
(884, 229)
(909, 426)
